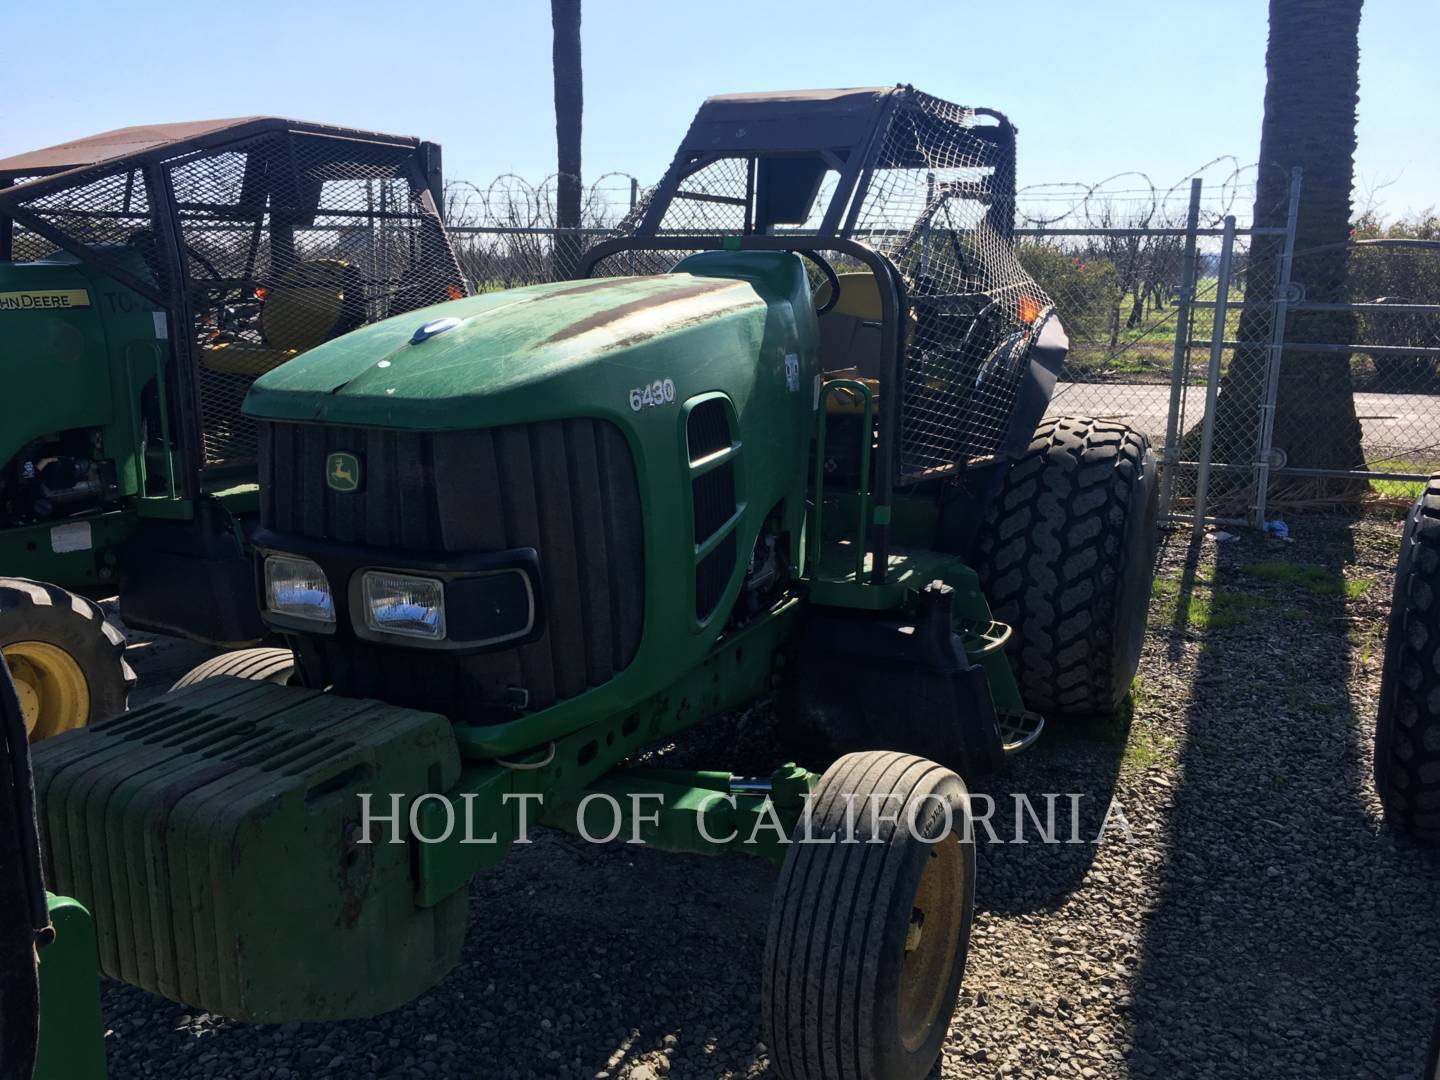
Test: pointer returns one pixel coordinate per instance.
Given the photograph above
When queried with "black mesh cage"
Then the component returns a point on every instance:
(927, 184)
(260, 246)
(291, 240)
(97, 216)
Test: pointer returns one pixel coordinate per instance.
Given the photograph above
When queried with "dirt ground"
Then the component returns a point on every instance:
(1259, 921)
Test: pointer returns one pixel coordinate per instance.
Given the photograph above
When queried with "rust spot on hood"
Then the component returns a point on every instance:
(613, 315)
(585, 287)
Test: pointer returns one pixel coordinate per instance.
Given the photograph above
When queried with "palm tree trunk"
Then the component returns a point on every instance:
(569, 106)
(1311, 89)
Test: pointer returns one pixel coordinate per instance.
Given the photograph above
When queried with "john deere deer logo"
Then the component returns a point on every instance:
(342, 471)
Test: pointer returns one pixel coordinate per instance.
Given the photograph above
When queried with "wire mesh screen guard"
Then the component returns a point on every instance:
(291, 240)
(939, 204)
(107, 213)
(973, 304)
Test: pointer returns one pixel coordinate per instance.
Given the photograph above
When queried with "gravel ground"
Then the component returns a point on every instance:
(1258, 923)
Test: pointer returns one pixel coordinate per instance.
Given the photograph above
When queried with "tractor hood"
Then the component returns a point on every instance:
(479, 361)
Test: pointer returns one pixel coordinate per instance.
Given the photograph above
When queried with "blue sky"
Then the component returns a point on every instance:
(1096, 87)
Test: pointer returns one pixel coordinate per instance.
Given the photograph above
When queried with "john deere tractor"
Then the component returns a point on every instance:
(516, 538)
(147, 276)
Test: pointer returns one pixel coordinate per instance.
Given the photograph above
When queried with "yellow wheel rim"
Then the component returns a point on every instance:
(932, 942)
(54, 694)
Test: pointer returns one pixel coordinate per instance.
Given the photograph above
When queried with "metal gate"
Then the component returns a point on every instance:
(1287, 334)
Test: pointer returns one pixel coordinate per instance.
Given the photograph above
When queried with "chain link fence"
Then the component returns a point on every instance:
(1265, 376)
(504, 232)
(1364, 331)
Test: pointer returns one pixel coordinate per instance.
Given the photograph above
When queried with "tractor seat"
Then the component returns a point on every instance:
(850, 331)
(850, 337)
(308, 304)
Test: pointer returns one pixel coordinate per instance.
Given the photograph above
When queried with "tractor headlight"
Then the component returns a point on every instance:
(297, 588)
(405, 605)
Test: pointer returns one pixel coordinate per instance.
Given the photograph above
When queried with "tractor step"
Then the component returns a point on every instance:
(1019, 730)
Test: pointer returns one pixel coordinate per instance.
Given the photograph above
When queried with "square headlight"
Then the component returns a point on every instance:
(404, 605)
(297, 588)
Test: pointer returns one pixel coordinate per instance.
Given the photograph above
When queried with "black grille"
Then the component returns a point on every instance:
(565, 488)
(712, 501)
(714, 495)
(708, 429)
(713, 575)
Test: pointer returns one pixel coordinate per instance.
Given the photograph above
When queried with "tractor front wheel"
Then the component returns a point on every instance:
(1407, 726)
(260, 665)
(1066, 559)
(67, 662)
(870, 922)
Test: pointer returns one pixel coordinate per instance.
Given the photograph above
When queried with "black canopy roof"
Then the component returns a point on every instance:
(144, 139)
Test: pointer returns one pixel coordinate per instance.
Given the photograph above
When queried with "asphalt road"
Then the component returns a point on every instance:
(1390, 423)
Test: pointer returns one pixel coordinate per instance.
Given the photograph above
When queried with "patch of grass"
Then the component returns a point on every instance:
(1370, 638)
(1191, 609)
(1205, 607)
(1302, 697)
(1409, 490)
(1148, 747)
(1228, 609)
(1311, 577)
(1144, 744)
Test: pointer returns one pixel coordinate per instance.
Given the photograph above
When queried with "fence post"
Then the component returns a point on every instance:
(634, 192)
(1275, 352)
(1170, 458)
(1212, 378)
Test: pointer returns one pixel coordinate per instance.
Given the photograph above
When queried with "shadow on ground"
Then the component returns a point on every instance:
(1286, 927)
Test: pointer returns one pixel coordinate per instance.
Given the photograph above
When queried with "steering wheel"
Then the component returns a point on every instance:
(831, 278)
(205, 263)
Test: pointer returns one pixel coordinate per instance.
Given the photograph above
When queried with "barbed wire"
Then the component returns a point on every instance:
(1111, 256)
(511, 201)
(1130, 199)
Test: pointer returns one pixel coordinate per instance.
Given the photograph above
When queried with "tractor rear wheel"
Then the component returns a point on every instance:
(1066, 559)
(870, 922)
(1407, 725)
(261, 665)
(67, 662)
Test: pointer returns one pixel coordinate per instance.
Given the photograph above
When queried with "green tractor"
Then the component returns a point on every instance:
(514, 539)
(147, 277)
